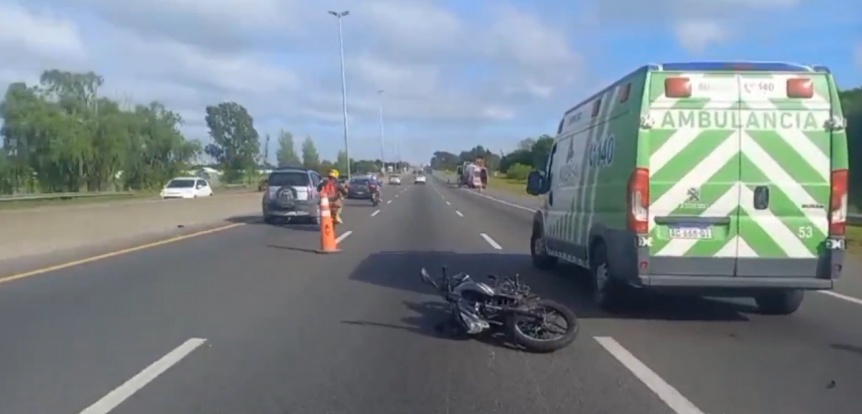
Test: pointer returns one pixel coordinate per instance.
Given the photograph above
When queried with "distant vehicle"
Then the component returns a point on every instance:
(187, 187)
(704, 178)
(291, 194)
(395, 180)
(420, 179)
(358, 188)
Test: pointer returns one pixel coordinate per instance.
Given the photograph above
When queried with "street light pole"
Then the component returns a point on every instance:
(382, 145)
(339, 16)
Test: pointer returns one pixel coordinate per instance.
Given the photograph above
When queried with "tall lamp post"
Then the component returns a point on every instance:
(382, 144)
(339, 16)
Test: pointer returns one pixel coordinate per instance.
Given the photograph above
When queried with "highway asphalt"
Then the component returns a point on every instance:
(248, 320)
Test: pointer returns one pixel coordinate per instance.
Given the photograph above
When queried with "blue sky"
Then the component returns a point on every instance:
(455, 73)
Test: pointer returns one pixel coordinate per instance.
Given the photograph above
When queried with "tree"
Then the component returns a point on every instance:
(526, 144)
(60, 135)
(287, 150)
(540, 151)
(236, 144)
(341, 162)
(310, 157)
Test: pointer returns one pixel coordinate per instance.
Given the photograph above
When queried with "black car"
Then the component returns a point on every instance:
(357, 188)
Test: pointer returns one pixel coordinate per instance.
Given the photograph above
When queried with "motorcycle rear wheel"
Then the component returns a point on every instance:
(541, 345)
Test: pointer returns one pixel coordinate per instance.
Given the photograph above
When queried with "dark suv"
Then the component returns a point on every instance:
(291, 194)
(358, 188)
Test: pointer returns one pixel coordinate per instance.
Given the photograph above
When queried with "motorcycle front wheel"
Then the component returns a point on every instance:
(554, 327)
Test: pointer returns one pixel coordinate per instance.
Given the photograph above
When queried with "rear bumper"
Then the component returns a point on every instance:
(733, 282)
(301, 209)
(359, 196)
(734, 274)
(630, 262)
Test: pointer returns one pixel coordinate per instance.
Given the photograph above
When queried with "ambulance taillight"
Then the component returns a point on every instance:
(677, 88)
(800, 88)
(638, 201)
(838, 203)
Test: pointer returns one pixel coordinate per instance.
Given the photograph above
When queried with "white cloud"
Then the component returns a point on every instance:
(40, 35)
(697, 35)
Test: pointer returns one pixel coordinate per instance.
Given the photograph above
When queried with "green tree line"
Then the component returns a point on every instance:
(532, 153)
(308, 157)
(529, 154)
(61, 135)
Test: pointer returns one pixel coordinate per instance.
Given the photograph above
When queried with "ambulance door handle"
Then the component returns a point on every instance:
(551, 198)
(761, 197)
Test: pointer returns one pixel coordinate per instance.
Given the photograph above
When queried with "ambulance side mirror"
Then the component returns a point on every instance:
(536, 182)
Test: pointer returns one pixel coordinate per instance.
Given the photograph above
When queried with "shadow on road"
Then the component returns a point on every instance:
(301, 225)
(848, 348)
(432, 319)
(567, 284)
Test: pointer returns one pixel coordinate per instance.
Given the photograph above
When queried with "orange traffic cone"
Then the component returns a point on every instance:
(327, 229)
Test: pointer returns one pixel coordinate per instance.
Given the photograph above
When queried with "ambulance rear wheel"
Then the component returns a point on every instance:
(780, 303)
(608, 293)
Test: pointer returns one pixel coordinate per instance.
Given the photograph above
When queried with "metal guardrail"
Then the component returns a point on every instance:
(854, 219)
(63, 196)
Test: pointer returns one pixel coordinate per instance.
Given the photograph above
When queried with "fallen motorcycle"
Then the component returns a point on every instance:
(507, 305)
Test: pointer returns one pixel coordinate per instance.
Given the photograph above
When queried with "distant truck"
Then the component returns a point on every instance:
(470, 175)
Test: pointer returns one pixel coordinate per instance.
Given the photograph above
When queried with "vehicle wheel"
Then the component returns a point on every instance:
(315, 220)
(527, 338)
(607, 291)
(539, 252)
(780, 303)
(270, 220)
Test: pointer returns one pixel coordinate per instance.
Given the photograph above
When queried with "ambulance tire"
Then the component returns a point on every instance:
(784, 302)
(538, 249)
(608, 293)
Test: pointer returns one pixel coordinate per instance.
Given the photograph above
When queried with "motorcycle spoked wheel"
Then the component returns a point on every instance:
(541, 334)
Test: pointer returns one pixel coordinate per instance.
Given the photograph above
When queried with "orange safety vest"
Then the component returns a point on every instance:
(330, 190)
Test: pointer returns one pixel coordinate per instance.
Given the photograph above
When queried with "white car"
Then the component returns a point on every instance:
(187, 187)
(420, 179)
(395, 180)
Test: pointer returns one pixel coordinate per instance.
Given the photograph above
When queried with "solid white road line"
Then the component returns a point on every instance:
(375, 213)
(667, 393)
(502, 201)
(850, 299)
(344, 236)
(123, 392)
(459, 213)
(491, 241)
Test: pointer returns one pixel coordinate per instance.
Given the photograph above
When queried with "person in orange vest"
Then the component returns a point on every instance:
(332, 188)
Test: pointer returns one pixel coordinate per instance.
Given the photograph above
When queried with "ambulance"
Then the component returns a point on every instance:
(706, 178)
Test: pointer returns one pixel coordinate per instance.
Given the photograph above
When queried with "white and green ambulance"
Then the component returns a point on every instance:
(709, 178)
